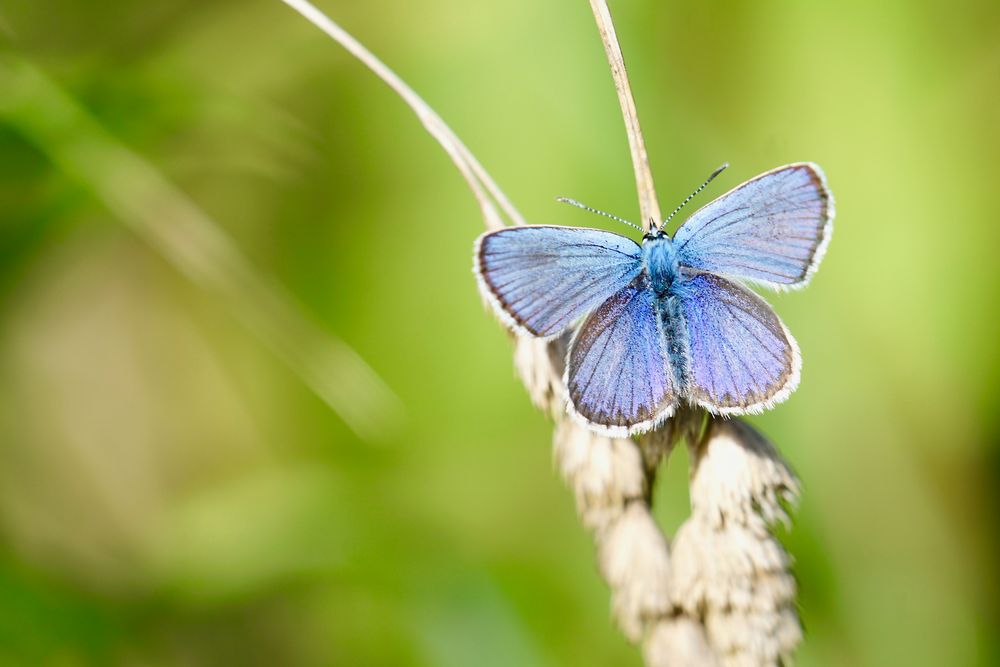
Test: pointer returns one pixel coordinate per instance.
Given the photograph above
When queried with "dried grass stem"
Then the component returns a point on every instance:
(649, 207)
(482, 184)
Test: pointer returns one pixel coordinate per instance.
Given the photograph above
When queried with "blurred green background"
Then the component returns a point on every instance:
(172, 494)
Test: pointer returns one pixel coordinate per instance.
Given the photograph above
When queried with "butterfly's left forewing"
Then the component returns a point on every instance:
(541, 279)
(618, 372)
(741, 357)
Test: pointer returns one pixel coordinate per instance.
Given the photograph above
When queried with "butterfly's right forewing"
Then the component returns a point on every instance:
(772, 230)
(541, 279)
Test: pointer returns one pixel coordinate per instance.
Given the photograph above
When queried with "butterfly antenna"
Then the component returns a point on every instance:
(695, 193)
(573, 202)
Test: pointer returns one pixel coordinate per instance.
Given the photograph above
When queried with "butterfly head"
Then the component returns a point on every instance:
(654, 232)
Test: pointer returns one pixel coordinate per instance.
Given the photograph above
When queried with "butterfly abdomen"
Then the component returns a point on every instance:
(661, 263)
(675, 338)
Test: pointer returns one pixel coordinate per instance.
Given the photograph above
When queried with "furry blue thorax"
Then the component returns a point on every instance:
(660, 259)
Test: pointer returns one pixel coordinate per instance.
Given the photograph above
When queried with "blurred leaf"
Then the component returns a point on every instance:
(251, 534)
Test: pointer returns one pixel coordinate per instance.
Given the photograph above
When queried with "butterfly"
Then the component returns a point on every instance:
(668, 320)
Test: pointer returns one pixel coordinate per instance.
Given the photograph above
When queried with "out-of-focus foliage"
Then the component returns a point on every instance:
(170, 494)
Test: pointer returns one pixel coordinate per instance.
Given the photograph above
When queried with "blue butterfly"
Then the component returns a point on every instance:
(662, 322)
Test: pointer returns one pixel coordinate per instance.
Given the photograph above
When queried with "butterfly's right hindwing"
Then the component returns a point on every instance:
(541, 279)
(742, 358)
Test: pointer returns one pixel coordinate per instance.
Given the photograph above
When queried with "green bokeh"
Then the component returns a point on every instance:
(170, 494)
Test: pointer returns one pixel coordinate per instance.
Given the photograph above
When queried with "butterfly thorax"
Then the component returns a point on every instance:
(659, 257)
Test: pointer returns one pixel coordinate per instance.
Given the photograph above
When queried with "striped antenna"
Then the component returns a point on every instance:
(693, 194)
(573, 202)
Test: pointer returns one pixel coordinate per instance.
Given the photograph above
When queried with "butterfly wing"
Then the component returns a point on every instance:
(772, 230)
(618, 372)
(742, 358)
(540, 279)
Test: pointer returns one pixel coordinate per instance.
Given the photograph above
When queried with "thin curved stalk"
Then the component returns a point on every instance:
(649, 207)
(475, 175)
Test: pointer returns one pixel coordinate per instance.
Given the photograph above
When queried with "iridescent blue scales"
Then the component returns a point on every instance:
(665, 322)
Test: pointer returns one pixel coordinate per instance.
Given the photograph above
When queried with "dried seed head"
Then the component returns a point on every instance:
(727, 568)
(740, 477)
(738, 581)
(678, 642)
(604, 473)
(540, 363)
(752, 639)
(634, 560)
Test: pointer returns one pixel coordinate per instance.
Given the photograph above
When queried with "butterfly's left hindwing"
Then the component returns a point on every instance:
(541, 279)
(741, 357)
(618, 372)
